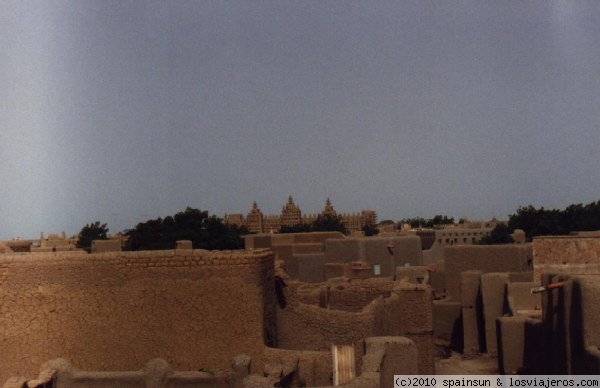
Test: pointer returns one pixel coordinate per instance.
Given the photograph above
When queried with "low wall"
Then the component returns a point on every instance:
(519, 345)
(114, 311)
(157, 373)
(407, 311)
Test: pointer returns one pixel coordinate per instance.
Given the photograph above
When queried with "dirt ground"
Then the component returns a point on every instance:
(457, 365)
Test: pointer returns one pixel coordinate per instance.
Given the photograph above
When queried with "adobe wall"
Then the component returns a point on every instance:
(4, 248)
(115, 311)
(484, 258)
(157, 373)
(433, 254)
(519, 340)
(571, 316)
(588, 290)
(308, 267)
(565, 254)
(413, 274)
(307, 327)
(355, 295)
(268, 240)
(407, 311)
(311, 368)
(345, 251)
(102, 246)
(305, 260)
(405, 250)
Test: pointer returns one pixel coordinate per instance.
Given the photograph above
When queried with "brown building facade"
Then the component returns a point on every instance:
(291, 215)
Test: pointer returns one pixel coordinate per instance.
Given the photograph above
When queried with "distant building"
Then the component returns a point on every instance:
(56, 243)
(291, 215)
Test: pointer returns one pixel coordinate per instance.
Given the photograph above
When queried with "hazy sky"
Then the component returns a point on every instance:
(120, 111)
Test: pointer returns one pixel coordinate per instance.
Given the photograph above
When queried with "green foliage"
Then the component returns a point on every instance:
(441, 220)
(298, 228)
(371, 230)
(204, 230)
(416, 222)
(544, 222)
(323, 223)
(328, 222)
(498, 235)
(90, 232)
(420, 222)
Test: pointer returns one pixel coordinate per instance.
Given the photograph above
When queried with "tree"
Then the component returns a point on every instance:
(329, 222)
(298, 228)
(204, 230)
(90, 232)
(537, 222)
(544, 222)
(416, 222)
(441, 220)
(498, 235)
(371, 230)
(420, 222)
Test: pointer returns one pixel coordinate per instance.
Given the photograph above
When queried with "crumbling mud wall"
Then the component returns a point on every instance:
(115, 311)
(565, 254)
(356, 294)
(396, 309)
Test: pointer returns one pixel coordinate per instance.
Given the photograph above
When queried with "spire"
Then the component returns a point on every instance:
(290, 200)
(328, 208)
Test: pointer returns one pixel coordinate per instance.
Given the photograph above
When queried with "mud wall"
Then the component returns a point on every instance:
(565, 254)
(484, 258)
(406, 311)
(115, 311)
(386, 253)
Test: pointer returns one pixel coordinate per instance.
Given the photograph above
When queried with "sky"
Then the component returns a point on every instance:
(122, 111)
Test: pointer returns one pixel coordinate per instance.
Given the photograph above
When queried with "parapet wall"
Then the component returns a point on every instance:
(565, 254)
(114, 311)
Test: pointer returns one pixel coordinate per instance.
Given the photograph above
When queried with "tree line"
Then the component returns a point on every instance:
(549, 222)
(323, 223)
(210, 232)
(420, 222)
(204, 230)
(533, 221)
